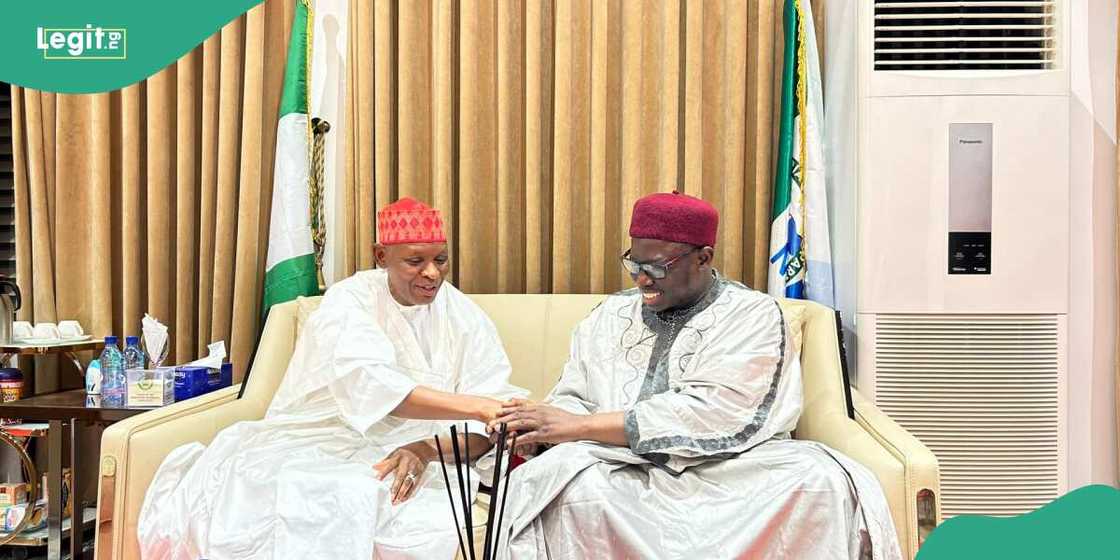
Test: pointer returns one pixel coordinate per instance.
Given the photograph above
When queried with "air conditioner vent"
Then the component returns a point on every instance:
(964, 35)
(982, 392)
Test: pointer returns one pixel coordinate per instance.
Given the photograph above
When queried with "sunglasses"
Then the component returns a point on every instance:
(657, 271)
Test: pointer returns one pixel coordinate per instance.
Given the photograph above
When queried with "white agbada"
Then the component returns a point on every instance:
(710, 395)
(300, 484)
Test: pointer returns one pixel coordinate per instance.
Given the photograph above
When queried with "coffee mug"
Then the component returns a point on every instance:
(46, 331)
(21, 329)
(70, 329)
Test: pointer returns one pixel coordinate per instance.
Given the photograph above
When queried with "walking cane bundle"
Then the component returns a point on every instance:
(499, 492)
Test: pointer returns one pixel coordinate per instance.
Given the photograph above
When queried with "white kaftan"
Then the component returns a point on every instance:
(710, 395)
(299, 484)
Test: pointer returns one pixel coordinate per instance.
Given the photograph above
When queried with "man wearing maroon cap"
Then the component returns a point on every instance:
(670, 426)
(344, 465)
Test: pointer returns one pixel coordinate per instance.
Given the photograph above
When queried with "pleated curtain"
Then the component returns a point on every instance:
(155, 198)
(535, 125)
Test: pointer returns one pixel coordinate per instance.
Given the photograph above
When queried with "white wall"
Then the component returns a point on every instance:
(328, 101)
(1093, 287)
(841, 139)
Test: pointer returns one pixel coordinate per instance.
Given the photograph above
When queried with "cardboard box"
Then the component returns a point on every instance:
(13, 493)
(150, 387)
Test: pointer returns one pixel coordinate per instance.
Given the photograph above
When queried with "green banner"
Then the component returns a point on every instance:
(72, 46)
(1080, 524)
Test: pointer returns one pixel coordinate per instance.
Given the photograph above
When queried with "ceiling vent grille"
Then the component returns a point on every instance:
(982, 392)
(964, 35)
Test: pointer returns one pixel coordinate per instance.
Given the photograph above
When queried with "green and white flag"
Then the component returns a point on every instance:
(290, 268)
(800, 253)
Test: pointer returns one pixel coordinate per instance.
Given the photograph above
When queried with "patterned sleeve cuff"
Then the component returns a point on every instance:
(630, 426)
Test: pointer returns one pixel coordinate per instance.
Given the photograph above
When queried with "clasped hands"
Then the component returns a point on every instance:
(534, 423)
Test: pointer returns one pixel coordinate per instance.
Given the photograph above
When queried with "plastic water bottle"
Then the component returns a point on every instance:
(133, 354)
(112, 374)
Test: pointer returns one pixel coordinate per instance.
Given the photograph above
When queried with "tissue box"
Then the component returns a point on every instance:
(190, 382)
(150, 387)
(13, 494)
(219, 378)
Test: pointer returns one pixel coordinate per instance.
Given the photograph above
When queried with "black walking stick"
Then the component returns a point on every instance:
(467, 473)
(505, 492)
(463, 492)
(450, 496)
(494, 494)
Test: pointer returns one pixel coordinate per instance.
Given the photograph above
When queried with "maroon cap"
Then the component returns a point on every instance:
(675, 217)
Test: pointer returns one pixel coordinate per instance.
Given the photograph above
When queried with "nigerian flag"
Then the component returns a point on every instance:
(800, 255)
(290, 268)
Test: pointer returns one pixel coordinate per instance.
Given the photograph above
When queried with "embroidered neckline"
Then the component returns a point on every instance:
(675, 317)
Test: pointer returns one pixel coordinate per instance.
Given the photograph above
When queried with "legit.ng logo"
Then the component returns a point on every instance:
(88, 43)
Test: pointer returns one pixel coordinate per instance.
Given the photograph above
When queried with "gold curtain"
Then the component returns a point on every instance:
(155, 198)
(534, 125)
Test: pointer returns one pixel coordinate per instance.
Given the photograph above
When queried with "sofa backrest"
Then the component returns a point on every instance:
(536, 332)
(278, 341)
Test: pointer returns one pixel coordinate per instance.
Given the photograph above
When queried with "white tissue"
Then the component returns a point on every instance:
(155, 339)
(214, 360)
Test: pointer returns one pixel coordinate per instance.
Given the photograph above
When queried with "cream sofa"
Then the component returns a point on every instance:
(535, 330)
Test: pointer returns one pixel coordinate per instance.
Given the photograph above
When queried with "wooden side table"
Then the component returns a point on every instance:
(54, 435)
(64, 410)
(68, 350)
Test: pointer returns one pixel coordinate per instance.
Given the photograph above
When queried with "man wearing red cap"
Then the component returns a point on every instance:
(671, 424)
(344, 465)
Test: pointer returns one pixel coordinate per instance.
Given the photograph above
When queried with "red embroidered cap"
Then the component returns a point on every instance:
(409, 221)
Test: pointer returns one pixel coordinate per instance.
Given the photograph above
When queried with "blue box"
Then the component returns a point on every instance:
(190, 381)
(227, 375)
(218, 378)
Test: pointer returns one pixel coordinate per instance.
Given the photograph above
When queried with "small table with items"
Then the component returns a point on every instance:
(64, 410)
(67, 349)
(71, 411)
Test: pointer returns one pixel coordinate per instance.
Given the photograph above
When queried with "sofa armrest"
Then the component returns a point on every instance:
(132, 450)
(922, 478)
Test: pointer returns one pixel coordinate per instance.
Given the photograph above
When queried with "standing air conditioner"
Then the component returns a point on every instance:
(962, 240)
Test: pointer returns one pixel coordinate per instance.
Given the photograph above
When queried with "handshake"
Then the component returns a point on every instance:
(531, 423)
